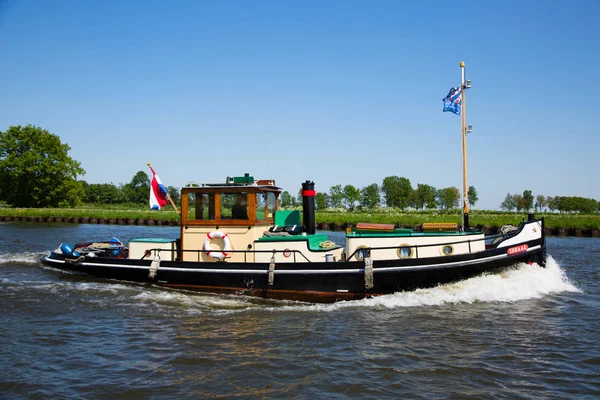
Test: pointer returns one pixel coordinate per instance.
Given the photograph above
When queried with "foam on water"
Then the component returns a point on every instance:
(520, 282)
(21, 258)
(194, 303)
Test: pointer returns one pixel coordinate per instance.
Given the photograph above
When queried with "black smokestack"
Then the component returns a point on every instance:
(308, 207)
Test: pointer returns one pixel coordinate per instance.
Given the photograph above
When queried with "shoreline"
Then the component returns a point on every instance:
(550, 231)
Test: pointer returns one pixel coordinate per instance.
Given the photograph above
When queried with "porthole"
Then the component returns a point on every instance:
(447, 250)
(405, 251)
(360, 253)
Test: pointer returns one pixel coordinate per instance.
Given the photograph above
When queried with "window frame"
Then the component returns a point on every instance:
(252, 192)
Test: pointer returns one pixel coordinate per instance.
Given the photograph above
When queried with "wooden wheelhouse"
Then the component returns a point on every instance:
(241, 208)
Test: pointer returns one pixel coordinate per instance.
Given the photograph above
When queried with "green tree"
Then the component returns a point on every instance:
(351, 196)
(175, 194)
(472, 195)
(336, 196)
(564, 204)
(370, 197)
(552, 202)
(519, 202)
(321, 201)
(576, 204)
(527, 200)
(101, 193)
(448, 197)
(424, 196)
(586, 206)
(36, 170)
(286, 199)
(509, 203)
(540, 202)
(138, 190)
(397, 191)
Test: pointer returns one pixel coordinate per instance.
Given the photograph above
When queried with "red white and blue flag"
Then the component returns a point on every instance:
(158, 192)
(453, 101)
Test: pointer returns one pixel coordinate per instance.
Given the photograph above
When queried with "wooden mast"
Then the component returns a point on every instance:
(465, 218)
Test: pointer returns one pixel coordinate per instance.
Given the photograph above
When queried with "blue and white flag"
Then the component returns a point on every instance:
(453, 101)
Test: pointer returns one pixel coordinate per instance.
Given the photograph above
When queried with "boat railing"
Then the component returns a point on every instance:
(298, 256)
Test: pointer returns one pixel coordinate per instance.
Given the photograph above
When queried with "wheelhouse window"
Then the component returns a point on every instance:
(234, 205)
(229, 206)
(271, 204)
(201, 206)
(261, 206)
(265, 205)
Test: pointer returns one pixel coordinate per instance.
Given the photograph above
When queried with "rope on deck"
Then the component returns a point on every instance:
(327, 244)
(74, 260)
(507, 228)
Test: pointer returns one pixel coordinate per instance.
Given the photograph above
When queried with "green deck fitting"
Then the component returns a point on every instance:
(287, 218)
(243, 179)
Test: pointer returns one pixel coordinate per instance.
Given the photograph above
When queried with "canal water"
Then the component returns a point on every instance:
(523, 333)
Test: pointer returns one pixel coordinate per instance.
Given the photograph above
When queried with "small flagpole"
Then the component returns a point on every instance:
(465, 218)
(168, 195)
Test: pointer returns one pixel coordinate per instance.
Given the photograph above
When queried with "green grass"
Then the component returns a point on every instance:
(476, 218)
(332, 217)
(92, 211)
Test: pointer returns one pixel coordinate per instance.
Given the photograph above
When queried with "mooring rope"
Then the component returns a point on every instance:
(74, 260)
(508, 228)
(327, 244)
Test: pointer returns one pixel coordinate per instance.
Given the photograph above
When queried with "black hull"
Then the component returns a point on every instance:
(312, 282)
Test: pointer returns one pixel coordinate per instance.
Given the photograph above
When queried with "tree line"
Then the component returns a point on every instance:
(566, 204)
(394, 191)
(136, 191)
(36, 171)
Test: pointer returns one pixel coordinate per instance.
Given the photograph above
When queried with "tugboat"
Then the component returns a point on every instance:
(234, 239)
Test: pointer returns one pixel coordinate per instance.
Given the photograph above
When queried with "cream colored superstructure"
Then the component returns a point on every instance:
(429, 246)
(147, 249)
(285, 252)
(193, 238)
(241, 238)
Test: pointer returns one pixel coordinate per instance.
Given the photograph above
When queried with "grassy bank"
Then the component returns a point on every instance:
(131, 212)
(477, 218)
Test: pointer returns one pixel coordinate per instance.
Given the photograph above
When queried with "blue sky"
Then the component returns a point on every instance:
(338, 92)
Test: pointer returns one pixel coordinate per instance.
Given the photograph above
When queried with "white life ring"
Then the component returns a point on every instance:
(226, 244)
